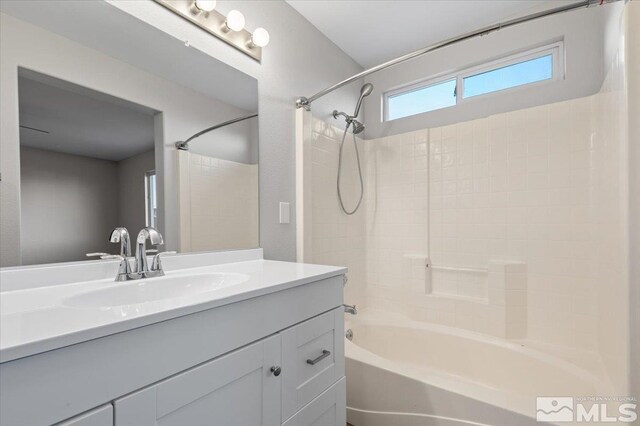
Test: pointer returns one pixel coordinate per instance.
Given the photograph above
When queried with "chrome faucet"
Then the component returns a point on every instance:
(121, 235)
(155, 238)
(350, 309)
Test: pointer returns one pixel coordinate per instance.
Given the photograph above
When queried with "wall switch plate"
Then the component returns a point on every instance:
(285, 212)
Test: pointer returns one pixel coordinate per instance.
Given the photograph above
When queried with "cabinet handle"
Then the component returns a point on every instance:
(276, 370)
(325, 353)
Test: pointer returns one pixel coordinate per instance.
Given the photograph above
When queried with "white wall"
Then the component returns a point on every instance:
(184, 112)
(131, 190)
(609, 206)
(298, 61)
(586, 53)
(236, 142)
(633, 76)
(69, 205)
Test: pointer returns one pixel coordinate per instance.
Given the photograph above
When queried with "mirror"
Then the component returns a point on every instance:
(89, 144)
(218, 173)
(87, 163)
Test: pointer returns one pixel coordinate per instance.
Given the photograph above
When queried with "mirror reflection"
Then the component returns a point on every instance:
(90, 143)
(87, 165)
(218, 172)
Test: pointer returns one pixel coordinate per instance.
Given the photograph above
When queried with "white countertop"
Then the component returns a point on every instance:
(37, 319)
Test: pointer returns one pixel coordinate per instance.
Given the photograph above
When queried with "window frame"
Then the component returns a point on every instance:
(555, 49)
(148, 213)
(414, 88)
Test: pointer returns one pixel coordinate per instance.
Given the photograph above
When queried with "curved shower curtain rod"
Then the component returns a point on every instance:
(306, 102)
(183, 145)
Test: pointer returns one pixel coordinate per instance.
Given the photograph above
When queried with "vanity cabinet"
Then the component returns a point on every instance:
(291, 378)
(270, 360)
(101, 416)
(312, 359)
(328, 409)
(236, 389)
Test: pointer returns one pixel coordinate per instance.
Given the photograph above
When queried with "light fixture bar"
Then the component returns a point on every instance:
(214, 23)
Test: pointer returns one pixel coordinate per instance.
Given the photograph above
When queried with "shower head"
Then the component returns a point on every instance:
(358, 127)
(364, 91)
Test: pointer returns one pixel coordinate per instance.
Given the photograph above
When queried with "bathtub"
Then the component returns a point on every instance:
(408, 373)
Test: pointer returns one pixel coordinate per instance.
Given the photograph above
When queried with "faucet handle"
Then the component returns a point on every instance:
(155, 238)
(97, 254)
(111, 256)
(152, 234)
(121, 235)
(125, 267)
(156, 265)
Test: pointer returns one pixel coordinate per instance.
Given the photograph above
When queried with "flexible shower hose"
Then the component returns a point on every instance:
(355, 145)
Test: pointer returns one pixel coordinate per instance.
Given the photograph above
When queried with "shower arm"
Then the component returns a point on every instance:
(306, 102)
(184, 145)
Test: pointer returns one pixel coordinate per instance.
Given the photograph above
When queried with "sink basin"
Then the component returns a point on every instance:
(154, 290)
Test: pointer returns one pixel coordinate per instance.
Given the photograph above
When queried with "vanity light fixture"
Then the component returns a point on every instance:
(228, 28)
(259, 38)
(205, 5)
(234, 21)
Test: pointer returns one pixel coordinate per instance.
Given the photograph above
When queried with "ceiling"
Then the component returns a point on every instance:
(66, 118)
(373, 32)
(105, 28)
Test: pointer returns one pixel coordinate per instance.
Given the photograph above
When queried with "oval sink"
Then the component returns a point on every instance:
(154, 290)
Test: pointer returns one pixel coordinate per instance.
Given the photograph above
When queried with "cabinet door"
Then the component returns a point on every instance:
(101, 416)
(328, 409)
(238, 389)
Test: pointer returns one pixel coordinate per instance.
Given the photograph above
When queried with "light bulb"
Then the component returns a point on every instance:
(235, 21)
(260, 37)
(206, 5)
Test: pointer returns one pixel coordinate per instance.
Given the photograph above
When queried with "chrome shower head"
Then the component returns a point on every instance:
(364, 91)
(358, 127)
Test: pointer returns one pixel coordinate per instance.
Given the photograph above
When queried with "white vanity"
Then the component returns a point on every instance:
(223, 338)
(118, 126)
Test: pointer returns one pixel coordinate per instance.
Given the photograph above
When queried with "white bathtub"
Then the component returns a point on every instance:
(408, 373)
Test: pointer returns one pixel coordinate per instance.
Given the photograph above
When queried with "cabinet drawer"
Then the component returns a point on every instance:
(312, 359)
(328, 409)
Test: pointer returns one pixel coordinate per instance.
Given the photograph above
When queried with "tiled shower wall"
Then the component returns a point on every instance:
(609, 206)
(539, 187)
(516, 186)
(218, 203)
(337, 238)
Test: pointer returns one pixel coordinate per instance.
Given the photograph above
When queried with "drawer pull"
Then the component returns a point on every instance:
(325, 353)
